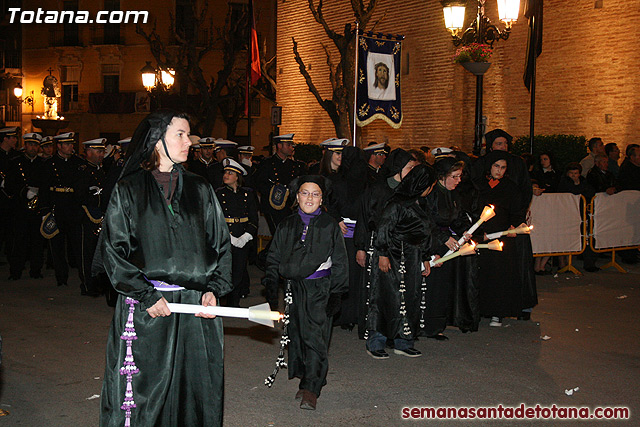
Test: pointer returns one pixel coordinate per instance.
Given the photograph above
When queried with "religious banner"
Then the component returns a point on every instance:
(378, 84)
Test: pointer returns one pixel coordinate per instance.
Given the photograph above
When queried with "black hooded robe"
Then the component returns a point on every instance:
(309, 325)
(175, 362)
(404, 236)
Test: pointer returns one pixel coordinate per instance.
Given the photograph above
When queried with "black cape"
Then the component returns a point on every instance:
(179, 357)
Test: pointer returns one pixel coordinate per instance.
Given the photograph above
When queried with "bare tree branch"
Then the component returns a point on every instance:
(328, 105)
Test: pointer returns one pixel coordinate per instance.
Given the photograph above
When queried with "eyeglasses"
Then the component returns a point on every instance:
(305, 194)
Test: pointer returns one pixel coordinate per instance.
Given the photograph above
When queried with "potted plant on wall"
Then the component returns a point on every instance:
(474, 58)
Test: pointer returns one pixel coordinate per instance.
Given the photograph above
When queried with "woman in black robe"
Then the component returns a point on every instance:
(308, 250)
(347, 187)
(402, 241)
(503, 293)
(164, 239)
(444, 207)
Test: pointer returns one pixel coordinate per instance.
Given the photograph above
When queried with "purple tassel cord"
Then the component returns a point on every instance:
(129, 366)
(284, 340)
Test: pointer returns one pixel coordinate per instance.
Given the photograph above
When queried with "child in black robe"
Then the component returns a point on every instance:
(308, 250)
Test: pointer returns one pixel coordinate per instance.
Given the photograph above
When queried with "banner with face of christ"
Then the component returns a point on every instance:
(379, 80)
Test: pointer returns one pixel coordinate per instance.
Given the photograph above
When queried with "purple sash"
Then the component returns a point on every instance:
(319, 274)
(164, 286)
(351, 227)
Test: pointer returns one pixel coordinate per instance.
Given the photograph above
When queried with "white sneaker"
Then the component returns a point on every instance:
(495, 321)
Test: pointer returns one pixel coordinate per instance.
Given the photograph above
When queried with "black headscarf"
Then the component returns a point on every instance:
(413, 185)
(493, 157)
(496, 133)
(151, 129)
(397, 160)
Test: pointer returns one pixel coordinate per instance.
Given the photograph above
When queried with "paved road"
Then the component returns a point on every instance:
(54, 343)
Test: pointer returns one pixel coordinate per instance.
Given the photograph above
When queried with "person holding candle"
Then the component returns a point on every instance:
(308, 250)
(502, 291)
(164, 240)
(443, 206)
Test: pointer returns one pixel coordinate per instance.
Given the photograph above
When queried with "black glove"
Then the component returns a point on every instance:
(333, 304)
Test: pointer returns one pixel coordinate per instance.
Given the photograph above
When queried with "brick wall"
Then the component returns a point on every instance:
(587, 70)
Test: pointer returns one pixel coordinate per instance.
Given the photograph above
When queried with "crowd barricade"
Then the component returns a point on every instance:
(615, 224)
(559, 226)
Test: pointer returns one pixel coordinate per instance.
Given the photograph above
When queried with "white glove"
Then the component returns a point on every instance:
(242, 240)
(235, 241)
(32, 192)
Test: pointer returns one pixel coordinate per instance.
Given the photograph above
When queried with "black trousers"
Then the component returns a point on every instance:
(89, 241)
(68, 240)
(27, 244)
(239, 275)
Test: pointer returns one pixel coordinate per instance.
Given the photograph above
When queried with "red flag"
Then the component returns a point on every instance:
(253, 59)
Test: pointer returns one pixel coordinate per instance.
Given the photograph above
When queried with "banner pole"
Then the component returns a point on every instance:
(355, 84)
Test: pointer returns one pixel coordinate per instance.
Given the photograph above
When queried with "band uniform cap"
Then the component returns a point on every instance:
(10, 131)
(32, 137)
(207, 141)
(441, 151)
(232, 165)
(334, 144)
(283, 138)
(375, 148)
(95, 143)
(225, 143)
(47, 140)
(65, 137)
(124, 141)
(246, 149)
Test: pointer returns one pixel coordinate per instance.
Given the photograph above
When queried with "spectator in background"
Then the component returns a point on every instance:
(613, 153)
(545, 174)
(573, 182)
(629, 177)
(595, 147)
(599, 176)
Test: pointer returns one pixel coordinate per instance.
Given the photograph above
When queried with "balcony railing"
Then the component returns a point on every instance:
(107, 34)
(10, 113)
(61, 36)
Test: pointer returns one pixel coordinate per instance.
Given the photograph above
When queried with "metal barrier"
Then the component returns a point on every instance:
(539, 227)
(628, 245)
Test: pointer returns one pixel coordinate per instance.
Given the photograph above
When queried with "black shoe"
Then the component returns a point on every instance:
(525, 315)
(62, 284)
(348, 327)
(592, 269)
(36, 275)
(378, 354)
(439, 337)
(409, 352)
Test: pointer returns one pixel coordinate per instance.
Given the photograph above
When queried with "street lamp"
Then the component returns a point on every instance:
(148, 76)
(480, 31)
(167, 77)
(18, 91)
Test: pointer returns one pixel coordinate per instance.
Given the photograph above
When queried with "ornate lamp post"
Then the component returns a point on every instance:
(480, 31)
(18, 91)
